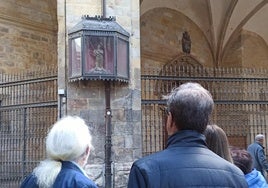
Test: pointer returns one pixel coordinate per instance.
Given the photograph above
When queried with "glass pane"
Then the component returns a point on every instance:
(122, 58)
(99, 55)
(75, 60)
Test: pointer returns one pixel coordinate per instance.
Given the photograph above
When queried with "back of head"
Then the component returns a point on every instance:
(259, 137)
(242, 159)
(68, 139)
(190, 105)
(217, 141)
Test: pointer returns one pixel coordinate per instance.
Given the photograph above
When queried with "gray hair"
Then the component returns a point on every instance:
(259, 137)
(190, 105)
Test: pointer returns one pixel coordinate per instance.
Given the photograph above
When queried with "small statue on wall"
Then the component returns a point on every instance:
(186, 42)
(99, 57)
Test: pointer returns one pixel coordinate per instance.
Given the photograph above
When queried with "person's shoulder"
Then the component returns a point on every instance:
(253, 146)
(29, 182)
(83, 181)
(74, 179)
(228, 166)
(229, 170)
(150, 160)
(255, 178)
(217, 162)
(73, 176)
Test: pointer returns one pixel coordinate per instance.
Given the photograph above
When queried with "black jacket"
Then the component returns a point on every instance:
(186, 162)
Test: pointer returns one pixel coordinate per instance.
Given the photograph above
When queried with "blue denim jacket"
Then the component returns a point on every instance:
(70, 176)
(260, 162)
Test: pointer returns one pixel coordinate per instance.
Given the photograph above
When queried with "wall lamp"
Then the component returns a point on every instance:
(99, 50)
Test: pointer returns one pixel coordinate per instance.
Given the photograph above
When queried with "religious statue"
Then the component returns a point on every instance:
(186, 42)
(98, 53)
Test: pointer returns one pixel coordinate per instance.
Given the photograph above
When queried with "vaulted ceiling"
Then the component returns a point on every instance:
(221, 21)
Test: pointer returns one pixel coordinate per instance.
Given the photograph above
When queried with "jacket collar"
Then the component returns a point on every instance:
(259, 144)
(186, 138)
(71, 165)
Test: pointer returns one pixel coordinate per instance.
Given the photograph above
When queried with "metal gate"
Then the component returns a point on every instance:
(240, 95)
(28, 107)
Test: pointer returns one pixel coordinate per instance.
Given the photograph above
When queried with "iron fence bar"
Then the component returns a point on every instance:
(153, 102)
(28, 81)
(24, 141)
(178, 78)
(33, 105)
(163, 102)
(239, 102)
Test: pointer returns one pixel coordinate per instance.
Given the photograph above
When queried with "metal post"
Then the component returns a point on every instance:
(108, 131)
(24, 141)
(104, 8)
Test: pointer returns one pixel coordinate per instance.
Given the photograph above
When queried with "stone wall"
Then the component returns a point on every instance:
(25, 49)
(28, 36)
(87, 98)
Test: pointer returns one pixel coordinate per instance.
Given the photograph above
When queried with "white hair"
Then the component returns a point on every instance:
(68, 140)
(259, 137)
(46, 173)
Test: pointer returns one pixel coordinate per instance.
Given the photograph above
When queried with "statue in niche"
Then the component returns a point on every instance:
(98, 53)
(186, 42)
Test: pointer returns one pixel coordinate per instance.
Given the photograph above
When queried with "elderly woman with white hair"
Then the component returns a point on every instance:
(68, 145)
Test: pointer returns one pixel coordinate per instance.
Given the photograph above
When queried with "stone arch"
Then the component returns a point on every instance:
(247, 50)
(161, 32)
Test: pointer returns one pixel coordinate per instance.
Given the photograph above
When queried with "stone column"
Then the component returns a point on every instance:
(87, 98)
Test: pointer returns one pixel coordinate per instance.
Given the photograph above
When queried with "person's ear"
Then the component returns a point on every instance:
(171, 126)
(87, 150)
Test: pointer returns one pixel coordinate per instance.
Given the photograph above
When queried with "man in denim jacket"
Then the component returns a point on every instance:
(256, 150)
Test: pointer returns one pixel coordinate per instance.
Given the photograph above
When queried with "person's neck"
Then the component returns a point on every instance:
(80, 162)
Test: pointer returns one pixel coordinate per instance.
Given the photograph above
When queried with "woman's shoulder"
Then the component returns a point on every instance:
(74, 178)
(29, 182)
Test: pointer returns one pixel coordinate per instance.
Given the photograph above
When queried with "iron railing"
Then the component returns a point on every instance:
(240, 96)
(28, 108)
